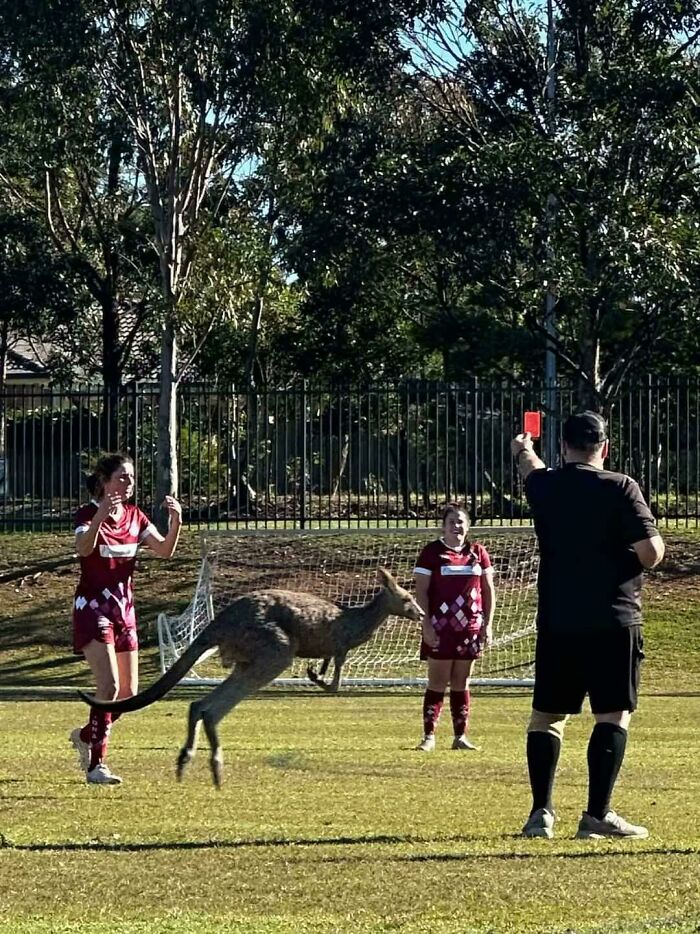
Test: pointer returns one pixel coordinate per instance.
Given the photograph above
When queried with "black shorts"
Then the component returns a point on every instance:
(603, 664)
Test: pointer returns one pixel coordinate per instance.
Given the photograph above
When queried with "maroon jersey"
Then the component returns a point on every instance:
(454, 597)
(104, 595)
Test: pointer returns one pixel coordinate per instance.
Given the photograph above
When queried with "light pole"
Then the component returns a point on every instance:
(551, 427)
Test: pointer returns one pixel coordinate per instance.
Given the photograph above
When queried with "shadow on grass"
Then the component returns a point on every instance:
(36, 680)
(534, 855)
(99, 846)
(39, 623)
(40, 613)
(41, 665)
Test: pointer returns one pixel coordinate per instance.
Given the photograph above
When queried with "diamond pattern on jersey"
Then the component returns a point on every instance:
(461, 612)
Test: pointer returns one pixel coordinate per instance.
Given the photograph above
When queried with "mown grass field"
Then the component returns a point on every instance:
(328, 819)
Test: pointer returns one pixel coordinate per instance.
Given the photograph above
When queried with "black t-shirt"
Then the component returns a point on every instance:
(586, 520)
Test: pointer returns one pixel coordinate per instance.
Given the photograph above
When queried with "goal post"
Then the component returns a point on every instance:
(341, 566)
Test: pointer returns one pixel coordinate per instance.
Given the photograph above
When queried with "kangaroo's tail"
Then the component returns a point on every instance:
(205, 640)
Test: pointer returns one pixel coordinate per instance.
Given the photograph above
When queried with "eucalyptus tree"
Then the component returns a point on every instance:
(615, 149)
(199, 84)
(66, 163)
(398, 236)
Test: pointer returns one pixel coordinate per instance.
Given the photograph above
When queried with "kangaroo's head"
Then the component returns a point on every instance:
(399, 602)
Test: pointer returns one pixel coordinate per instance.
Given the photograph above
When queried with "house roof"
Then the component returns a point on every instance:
(24, 362)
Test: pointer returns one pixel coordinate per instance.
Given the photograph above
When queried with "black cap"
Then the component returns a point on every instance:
(584, 429)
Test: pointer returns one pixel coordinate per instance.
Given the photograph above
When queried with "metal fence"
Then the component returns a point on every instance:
(326, 456)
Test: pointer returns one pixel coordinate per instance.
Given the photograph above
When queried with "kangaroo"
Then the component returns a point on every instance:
(258, 634)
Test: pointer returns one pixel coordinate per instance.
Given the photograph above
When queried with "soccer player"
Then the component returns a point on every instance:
(108, 532)
(454, 587)
(596, 535)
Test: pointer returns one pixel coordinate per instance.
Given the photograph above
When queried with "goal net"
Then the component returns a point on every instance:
(341, 566)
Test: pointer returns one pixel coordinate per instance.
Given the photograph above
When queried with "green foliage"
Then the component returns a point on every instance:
(372, 183)
(67, 164)
(423, 209)
(203, 472)
(35, 286)
(616, 150)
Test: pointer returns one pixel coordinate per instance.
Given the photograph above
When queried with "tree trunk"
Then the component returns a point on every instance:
(167, 474)
(256, 324)
(111, 372)
(404, 471)
(589, 391)
(253, 341)
(343, 463)
(4, 344)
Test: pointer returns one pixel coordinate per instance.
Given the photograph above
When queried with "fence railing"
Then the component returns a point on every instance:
(310, 456)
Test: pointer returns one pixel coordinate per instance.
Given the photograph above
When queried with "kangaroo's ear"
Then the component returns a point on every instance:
(385, 578)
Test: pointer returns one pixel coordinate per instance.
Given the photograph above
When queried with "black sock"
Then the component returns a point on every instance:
(606, 750)
(542, 757)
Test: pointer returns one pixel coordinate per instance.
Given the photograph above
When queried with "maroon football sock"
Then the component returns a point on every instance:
(432, 708)
(100, 725)
(459, 708)
(86, 731)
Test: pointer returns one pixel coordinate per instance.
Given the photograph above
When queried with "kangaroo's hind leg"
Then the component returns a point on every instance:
(241, 684)
(272, 652)
(188, 751)
(194, 722)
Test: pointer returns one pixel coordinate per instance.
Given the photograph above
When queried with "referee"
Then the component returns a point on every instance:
(596, 535)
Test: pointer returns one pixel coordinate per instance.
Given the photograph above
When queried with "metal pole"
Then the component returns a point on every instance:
(475, 450)
(550, 371)
(304, 445)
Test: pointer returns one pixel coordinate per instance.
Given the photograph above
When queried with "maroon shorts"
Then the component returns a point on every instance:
(90, 623)
(457, 644)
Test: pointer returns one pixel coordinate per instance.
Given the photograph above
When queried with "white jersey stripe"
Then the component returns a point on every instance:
(119, 551)
(461, 570)
(422, 571)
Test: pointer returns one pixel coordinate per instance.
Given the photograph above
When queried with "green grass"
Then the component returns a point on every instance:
(328, 820)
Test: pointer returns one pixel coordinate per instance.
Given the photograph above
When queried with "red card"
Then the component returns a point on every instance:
(532, 423)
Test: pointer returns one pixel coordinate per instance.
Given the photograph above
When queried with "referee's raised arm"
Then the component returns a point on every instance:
(524, 453)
